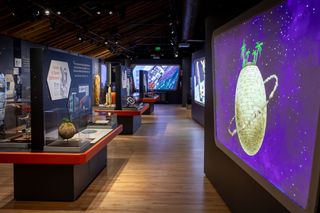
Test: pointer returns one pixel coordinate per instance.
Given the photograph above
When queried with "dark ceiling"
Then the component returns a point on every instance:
(115, 28)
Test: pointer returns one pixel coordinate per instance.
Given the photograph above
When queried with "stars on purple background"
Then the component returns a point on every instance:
(289, 32)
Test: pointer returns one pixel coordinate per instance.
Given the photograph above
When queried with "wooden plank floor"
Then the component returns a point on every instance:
(159, 169)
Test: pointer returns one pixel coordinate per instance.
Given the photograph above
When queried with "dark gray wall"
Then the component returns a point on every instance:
(236, 187)
(186, 84)
(6, 55)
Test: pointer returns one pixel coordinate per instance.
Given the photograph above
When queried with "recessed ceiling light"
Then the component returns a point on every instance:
(58, 13)
(47, 12)
(98, 12)
(110, 12)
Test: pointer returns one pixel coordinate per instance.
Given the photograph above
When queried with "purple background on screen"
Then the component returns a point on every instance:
(290, 32)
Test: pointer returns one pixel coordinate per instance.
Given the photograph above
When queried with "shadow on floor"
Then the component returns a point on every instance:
(93, 195)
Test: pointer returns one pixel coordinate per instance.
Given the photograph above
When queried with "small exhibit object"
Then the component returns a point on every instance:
(67, 129)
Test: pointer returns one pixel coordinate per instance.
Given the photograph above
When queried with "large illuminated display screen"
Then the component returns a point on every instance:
(160, 77)
(198, 77)
(267, 97)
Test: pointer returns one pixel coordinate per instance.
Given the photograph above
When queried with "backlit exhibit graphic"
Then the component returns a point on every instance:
(59, 80)
(199, 80)
(274, 99)
(160, 77)
(251, 103)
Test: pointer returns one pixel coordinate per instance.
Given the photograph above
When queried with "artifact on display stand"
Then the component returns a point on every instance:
(97, 89)
(10, 91)
(67, 129)
(109, 98)
(122, 85)
(27, 129)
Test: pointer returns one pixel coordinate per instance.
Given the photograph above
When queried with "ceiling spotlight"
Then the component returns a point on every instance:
(106, 42)
(58, 12)
(79, 37)
(13, 14)
(172, 32)
(116, 42)
(170, 23)
(47, 12)
(98, 12)
(110, 12)
(176, 55)
(37, 13)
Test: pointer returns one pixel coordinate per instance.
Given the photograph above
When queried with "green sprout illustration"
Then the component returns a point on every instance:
(243, 50)
(245, 54)
(255, 56)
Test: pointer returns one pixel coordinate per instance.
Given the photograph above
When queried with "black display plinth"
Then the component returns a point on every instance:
(150, 110)
(56, 182)
(130, 124)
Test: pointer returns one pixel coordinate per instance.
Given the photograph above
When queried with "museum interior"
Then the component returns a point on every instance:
(159, 106)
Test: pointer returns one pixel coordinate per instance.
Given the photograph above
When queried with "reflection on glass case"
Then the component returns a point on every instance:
(15, 117)
(15, 128)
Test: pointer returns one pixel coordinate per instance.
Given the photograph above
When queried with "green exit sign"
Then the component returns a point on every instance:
(157, 49)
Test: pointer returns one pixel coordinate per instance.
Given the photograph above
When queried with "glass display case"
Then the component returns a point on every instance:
(15, 128)
(120, 96)
(79, 134)
(64, 99)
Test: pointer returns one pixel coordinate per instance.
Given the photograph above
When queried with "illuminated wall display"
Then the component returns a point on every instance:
(267, 98)
(59, 80)
(160, 77)
(198, 73)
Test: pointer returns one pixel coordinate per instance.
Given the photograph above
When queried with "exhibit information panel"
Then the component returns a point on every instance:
(198, 77)
(267, 97)
(160, 77)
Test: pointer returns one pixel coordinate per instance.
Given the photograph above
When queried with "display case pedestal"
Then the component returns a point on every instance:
(52, 176)
(129, 118)
(151, 101)
(130, 124)
(56, 182)
(150, 110)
